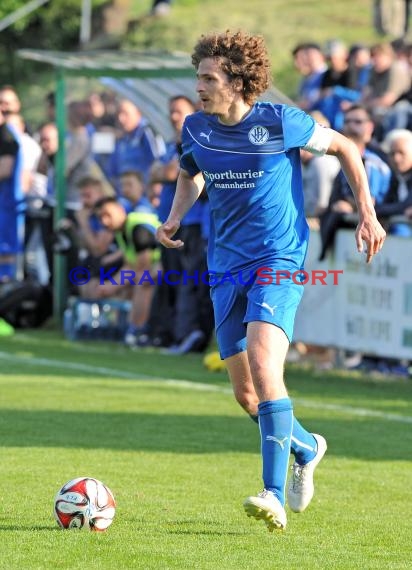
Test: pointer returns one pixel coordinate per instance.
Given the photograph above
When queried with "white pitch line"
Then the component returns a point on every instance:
(112, 372)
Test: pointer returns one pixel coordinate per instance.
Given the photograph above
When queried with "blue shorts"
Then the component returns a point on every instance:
(236, 304)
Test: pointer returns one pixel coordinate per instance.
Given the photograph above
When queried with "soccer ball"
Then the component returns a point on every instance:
(84, 503)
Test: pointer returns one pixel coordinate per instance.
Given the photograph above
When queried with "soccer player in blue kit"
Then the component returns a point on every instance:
(247, 154)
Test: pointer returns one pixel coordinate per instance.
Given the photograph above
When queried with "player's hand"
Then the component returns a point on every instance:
(371, 232)
(165, 233)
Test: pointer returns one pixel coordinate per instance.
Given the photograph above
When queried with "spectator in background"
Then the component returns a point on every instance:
(359, 127)
(30, 149)
(135, 237)
(50, 106)
(318, 175)
(336, 94)
(398, 201)
(337, 73)
(78, 153)
(359, 62)
(9, 100)
(310, 63)
(136, 148)
(191, 321)
(40, 204)
(133, 192)
(388, 80)
(100, 117)
(160, 7)
(11, 201)
(93, 244)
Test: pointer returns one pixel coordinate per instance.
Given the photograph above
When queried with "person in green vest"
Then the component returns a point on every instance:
(135, 236)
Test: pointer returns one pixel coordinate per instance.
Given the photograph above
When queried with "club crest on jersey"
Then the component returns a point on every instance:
(258, 135)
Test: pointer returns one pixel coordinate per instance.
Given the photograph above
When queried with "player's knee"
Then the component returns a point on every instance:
(248, 401)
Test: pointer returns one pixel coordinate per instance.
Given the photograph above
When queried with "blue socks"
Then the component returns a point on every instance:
(275, 422)
(303, 444)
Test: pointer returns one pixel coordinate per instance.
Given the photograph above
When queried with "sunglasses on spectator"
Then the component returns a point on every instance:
(355, 121)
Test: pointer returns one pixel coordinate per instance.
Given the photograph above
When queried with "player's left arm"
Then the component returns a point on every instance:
(369, 230)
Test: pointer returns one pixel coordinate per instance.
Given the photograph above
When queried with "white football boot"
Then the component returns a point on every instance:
(301, 488)
(266, 506)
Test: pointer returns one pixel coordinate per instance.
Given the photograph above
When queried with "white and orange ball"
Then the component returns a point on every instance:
(84, 503)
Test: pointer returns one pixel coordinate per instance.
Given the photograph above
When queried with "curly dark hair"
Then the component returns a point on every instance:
(240, 55)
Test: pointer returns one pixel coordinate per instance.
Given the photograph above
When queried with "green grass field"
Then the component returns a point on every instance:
(180, 456)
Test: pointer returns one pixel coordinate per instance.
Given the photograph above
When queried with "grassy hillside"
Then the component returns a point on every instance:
(283, 23)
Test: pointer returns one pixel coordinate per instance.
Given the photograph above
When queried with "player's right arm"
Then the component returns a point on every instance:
(188, 190)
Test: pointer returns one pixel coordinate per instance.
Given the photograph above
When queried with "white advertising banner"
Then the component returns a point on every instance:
(369, 309)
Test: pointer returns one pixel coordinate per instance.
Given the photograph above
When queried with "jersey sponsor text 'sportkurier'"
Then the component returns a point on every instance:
(253, 180)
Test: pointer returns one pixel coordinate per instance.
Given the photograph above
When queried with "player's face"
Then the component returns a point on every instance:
(216, 93)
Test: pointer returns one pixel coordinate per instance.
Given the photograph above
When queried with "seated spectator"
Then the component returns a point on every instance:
(337, 73)
(398, 201)
(133, 192)
(135, 237)
(359, 67)
(359, 127)
(310, 63)
(336, 92)
(388, 80)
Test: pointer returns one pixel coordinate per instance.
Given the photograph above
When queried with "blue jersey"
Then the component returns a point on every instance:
(253, 179)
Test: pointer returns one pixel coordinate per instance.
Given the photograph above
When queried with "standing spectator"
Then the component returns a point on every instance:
(11, 201)
(30, 149)
(9, 100)
(189, 302)
(136, 148)
(41, 202)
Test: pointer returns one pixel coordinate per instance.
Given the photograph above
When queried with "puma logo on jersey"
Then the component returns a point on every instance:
(269, 308)
(281, 442)
(205, 136)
